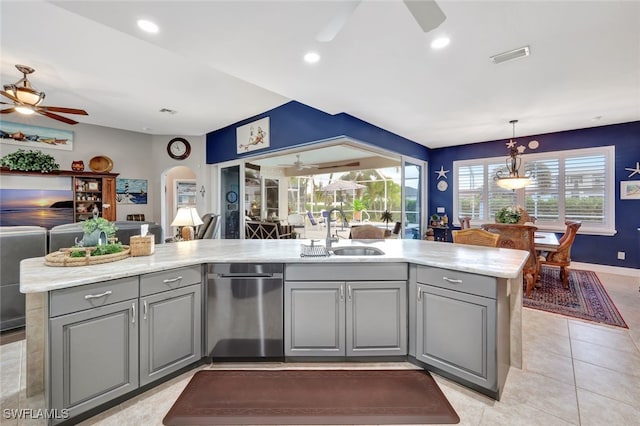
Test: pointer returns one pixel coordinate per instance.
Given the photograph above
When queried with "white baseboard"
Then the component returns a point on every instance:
(630, 272)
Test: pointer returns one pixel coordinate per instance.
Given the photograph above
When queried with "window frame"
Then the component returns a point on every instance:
(606, 228)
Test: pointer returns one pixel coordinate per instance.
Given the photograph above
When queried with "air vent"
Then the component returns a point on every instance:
(169, 111)
(510, 55)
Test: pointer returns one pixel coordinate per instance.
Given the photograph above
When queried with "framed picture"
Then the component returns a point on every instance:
(252, 136)
(131, 191)
(28, 136)
(630, 190)
(93, 186)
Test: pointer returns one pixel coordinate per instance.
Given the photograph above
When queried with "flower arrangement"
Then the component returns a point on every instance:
(508, 215)
(31, 160)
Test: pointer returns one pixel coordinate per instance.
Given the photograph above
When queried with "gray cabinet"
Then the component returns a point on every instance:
(345, 318)
(109, 338)
(94, 352)
(457, 327)
(170, 332)
(314, 318)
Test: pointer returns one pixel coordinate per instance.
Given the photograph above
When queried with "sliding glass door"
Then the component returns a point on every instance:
(413, 202)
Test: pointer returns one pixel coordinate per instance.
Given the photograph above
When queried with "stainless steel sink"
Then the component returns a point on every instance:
(356, 251)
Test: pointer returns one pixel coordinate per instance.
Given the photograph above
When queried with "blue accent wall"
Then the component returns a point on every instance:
(587, 248)
(294, 124)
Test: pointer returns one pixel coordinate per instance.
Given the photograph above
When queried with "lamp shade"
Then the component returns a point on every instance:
(187, 216)
(515, 182)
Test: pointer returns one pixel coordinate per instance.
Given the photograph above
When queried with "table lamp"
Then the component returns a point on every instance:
(187, 218)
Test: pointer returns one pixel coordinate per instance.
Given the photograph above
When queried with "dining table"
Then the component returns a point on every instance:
(546, 241)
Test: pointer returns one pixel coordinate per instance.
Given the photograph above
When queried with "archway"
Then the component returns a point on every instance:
(178, 183)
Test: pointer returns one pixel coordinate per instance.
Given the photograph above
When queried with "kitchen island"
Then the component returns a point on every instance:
(503, 266)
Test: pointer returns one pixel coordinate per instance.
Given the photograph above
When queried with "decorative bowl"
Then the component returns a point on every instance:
(101, 164)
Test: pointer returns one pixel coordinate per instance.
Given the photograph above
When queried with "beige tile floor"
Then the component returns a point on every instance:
(575, 372)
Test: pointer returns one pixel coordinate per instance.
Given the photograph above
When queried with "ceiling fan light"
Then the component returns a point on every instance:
(24, 109)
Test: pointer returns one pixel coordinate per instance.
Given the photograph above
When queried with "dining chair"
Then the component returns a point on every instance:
(562, 256)
(465, 222)
(476, 237)
(367, 232)
(521, 237)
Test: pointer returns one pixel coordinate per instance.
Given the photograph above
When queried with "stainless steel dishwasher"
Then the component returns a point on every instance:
(245, 311)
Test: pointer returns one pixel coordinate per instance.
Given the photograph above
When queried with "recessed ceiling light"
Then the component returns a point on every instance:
(147, 26)
(312, 57)
(440, 42)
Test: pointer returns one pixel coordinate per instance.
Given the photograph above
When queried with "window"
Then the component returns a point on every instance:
(566, 185)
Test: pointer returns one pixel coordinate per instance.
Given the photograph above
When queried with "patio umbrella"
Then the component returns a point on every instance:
(342, 185)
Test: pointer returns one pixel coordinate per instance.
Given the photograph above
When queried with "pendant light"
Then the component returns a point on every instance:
(511, 179)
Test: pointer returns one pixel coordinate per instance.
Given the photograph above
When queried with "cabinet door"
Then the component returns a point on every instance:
(456, 333)
(170, 332)
(314, 318)
(376, 318)
(109, 198)
(94, 356)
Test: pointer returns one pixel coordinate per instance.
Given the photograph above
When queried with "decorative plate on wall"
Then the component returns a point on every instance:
(101, 164)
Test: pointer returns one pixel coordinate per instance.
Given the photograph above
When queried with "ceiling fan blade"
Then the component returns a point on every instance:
(56, 117)
(13, 98)
(331, 30)
(427, 13)
(8, 110)
(62, 109)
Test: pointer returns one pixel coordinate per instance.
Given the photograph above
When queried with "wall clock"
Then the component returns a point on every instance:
(232, 196)
(178, 148)
(442, 185)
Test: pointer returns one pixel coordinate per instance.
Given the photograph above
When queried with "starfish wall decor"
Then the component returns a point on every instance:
(635, 171)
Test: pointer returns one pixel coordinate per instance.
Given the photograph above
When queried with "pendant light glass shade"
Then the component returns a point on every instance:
(511, 179)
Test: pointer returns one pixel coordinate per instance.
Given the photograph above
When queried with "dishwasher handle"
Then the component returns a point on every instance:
(248, 275)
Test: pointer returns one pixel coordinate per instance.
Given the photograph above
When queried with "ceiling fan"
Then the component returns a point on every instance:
(26, 100)
(426, 12)
(299, 164)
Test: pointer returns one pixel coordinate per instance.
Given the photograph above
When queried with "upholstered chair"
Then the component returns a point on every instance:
(562, 256)
(367, 232)
(522, 237)
(476, 237)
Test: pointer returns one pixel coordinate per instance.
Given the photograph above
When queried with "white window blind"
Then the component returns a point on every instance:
(566, 185)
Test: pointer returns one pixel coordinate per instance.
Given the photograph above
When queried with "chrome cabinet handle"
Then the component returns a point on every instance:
(171, 280)
(341, 292)
(133, 313)
(419, 294)
(349, 291)
(144, 309)
(452, 280)
(96, 296)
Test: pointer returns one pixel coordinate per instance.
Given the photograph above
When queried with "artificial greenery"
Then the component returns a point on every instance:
(90, 225)
(386, 217)
(31, 160)
(435, 217)
(508, 215)
(99, 250)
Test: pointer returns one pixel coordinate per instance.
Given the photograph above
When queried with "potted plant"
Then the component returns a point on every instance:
(97, 230)
(435, 219)
(358, 206)
(508, 215)
(31, 160)
(386, 217)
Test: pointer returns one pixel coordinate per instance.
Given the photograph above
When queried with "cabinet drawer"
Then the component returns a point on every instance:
(89, 296)
(347, 271)
(458, 281)
(168, 280)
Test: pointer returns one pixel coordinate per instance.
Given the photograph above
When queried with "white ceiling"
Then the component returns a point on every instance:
(218, 62)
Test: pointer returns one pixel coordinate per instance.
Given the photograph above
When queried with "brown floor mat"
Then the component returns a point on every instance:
(230, 397)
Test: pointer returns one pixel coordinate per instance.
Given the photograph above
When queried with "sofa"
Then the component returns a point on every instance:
(16, 243)
(65, 235)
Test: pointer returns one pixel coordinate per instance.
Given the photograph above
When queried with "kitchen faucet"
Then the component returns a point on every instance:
(329, 238)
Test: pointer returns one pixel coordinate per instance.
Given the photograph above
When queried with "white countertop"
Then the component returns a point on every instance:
(36, 277)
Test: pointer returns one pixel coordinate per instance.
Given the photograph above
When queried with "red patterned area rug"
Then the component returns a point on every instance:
(586, 297)
(321, 397)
